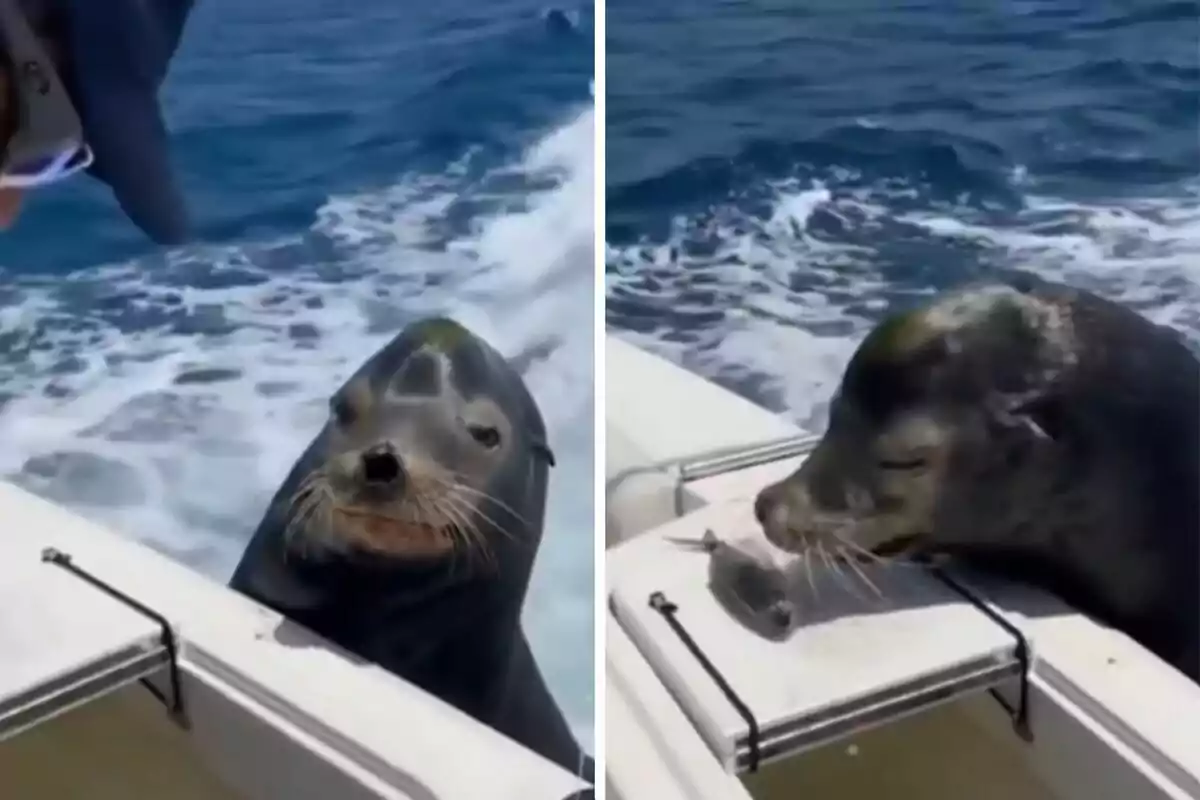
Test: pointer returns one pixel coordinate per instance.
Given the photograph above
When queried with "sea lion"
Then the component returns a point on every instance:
(406, 532)
(1030, 429)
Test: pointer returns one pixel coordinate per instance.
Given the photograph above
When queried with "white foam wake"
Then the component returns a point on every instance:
(773, 306)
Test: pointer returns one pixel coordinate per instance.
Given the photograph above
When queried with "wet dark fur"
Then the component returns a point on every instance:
(445, 624)
(1101, 510)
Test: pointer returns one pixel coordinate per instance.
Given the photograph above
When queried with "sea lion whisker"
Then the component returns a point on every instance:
(808, 571)
(433, 507)
(428, 510)
(313, 505)
(300, 516)
(297, 508)
(463, 487)
(467, 547)
(464, 537)
(478, 543)
(824, 566)
(460, 545)
(456, 488)
(831, 566)
(849, 559)
(304, 490)
(502, 529)
(473, 539)
(858, 550)
(324, 510)
(448, 526)
(462, 484)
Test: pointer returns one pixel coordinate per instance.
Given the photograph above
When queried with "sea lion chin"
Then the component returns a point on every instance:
(1030, 429)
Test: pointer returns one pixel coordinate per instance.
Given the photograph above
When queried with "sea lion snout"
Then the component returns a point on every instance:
(838, 502)
(783, 510)
(382, 468)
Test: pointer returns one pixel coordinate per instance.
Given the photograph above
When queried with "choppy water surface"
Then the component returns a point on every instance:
(780, 174)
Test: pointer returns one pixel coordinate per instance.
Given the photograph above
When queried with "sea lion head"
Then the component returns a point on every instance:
(433, 449)
(933, 402)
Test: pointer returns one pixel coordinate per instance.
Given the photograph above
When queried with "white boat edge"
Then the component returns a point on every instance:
(1100, 731)
(272, 719)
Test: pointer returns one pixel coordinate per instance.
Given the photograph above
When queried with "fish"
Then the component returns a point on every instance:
(751, 589)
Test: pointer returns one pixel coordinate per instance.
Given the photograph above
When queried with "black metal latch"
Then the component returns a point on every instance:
(174, 704)
(1019, 714)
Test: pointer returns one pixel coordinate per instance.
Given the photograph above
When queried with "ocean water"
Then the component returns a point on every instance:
(781, 174)
(350, 166)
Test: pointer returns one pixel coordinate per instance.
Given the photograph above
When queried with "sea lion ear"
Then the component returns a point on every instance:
(1033, 412)
(542, 449)
(935, 352)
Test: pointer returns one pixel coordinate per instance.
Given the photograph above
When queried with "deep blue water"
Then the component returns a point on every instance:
(780, 174)
(349, 165)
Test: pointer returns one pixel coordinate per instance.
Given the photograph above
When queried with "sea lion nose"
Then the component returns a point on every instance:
(381, 466)
(763, 505)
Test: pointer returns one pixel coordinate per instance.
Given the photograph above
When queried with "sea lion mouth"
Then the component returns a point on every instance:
(386, 535)
(434, 517)
(841, 541)
(830, 543)
(794, 521)
(829, 535)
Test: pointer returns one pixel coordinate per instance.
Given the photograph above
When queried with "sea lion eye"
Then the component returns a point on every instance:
(901, 463)
(487, 436)
(341, 410)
